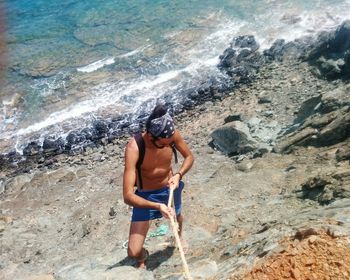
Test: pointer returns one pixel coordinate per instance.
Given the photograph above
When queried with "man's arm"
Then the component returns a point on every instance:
(182, 147)
(129, 179)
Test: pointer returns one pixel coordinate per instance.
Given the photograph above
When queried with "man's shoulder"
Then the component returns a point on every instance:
(132, 145)
(177, 136)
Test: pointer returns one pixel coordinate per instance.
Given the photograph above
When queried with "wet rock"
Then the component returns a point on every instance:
(241, 60)
(32, 149)
(53, 146)
(282, 51)
(74, 138)
(101, 127)
(330, 56)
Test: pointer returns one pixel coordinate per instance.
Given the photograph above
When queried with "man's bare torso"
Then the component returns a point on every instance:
(156, 167)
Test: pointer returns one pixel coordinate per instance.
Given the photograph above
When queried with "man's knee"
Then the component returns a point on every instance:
(179, 218)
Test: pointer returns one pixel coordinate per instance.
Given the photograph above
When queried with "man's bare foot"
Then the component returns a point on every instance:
(141, 262)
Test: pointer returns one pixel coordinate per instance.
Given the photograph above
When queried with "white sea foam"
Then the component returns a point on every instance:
(301, 22)
(200, 60)
(138, 50)
(96, 65)
(108, 94)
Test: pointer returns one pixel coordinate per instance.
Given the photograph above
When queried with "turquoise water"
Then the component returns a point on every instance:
(72, 61)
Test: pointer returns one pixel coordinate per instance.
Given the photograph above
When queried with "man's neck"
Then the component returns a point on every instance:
(150, 141)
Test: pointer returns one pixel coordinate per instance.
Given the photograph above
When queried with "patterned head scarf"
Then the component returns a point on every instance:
(162, 127)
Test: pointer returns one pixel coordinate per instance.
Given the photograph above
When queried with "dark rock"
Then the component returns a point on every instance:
(337, 131)
(232, 139)
(247, 41)
(12, 157)
(276, 50)
(189, 104)
(232, 118)
(305, 233)
(33, 148)
(241, 60)
(264, 100)
(100, 126)
(281, 51)
(125, 124)
(330, 55)
(51, 146)
(227, 58)
(307, 108)
(74, 137)
(88, 134)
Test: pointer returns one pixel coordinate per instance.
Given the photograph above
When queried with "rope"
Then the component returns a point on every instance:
(177, 238)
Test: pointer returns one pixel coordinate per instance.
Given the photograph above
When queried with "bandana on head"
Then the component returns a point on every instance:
(162, 127)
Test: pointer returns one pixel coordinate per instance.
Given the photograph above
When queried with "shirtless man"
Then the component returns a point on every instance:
(150, 199)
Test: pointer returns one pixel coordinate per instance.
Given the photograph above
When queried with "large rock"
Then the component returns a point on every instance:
(233, 138)
(283, 51)
(53, 146)
(318, 131)
(241, 60)
(331, 55)
(321, 121)
(32, 149)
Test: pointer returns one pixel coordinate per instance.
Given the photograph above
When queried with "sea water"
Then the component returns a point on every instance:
(70, 62)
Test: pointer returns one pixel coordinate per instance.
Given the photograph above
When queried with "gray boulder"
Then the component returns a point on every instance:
(322, 121)
(233, 138)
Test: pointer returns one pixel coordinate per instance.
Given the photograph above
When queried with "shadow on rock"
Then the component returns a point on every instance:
(153, 262)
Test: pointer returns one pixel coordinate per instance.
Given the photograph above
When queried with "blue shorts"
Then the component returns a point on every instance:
(160, 196)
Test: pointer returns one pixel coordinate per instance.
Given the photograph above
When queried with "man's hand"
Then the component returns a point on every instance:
(174, 181)
(166, 211)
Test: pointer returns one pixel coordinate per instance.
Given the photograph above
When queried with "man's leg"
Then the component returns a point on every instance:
(180, 220)
(137, 236)
(184, 243)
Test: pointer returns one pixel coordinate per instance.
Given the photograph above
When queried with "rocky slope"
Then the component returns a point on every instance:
(254, 205)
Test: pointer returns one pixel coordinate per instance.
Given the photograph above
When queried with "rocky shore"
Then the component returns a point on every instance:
(270, 185)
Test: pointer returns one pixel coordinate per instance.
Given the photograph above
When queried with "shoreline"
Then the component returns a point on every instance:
(101, 132)
(70, 222)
